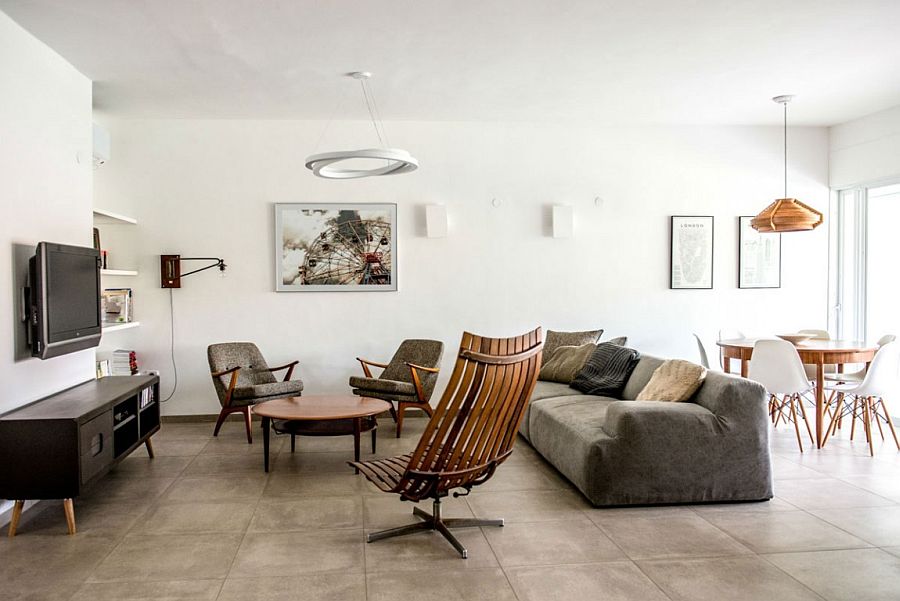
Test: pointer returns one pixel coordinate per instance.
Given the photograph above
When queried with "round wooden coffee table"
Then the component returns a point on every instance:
(321, 415)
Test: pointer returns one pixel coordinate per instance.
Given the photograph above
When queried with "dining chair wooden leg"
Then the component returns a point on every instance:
(874, 415)
(840, 401)
(781, 408)
(796, 425)
(805, 421)
(868, 423)
(832, 425)
(890, 423)
(853, 417)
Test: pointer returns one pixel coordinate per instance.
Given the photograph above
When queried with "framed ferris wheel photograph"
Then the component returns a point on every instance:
(335, 247)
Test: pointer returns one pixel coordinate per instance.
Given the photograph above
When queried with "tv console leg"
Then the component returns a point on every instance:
(149, 445)
(69, 508)
(14, 520)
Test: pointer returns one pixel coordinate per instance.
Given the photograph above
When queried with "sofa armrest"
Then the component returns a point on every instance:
(736, 399)
(656, 419)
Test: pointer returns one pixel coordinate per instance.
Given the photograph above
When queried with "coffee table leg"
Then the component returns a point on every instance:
(374, 430)
(265, 427)
(356, 431)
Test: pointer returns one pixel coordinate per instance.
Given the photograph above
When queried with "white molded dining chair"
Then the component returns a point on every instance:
(868, 396)
(857, 376)
(704, 359)
(729, 334)
(777, 366)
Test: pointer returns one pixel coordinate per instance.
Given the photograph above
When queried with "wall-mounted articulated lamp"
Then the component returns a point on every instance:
(170, 268)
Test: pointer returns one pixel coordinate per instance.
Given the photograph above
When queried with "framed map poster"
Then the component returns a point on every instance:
(759, 257)
(335, 247)
(691, 252)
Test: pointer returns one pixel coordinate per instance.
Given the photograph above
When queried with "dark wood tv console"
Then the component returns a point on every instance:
(56, 447)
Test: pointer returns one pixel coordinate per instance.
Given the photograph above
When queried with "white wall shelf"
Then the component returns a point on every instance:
(121, 272)
(104, 217)
(120, 326)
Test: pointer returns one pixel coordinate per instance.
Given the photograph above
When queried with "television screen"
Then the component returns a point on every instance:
(71, 293)
(65, 299)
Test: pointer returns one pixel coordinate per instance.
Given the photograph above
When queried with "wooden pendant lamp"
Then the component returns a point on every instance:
(786, 214)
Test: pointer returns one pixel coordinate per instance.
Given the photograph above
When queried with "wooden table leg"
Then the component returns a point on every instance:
(149, 446)
(726, 364)
(820, 402)
(69, 508)
(14, 520)
(374, 438)
(265, 428)
(357, 426)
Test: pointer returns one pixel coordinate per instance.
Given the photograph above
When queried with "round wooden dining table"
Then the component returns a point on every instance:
(812, 352)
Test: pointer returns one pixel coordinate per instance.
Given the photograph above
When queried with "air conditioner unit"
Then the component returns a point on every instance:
(101, 145)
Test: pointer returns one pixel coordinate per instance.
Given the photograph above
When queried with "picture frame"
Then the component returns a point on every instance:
(691, 245)
(759, 257)
(336, 247)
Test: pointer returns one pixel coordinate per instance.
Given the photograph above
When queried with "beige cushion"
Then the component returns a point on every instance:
(554, 340)
(675, 380)
(565, 363)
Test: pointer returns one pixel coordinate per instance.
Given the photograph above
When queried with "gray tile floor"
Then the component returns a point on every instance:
(203, 522)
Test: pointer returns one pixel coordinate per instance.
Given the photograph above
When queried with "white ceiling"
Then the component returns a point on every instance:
(602, 61)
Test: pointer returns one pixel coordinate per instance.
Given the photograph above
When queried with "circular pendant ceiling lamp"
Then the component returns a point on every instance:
(786, 214)
(396, 160)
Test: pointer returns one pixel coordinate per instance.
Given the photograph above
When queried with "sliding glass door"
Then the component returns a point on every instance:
(865, 281)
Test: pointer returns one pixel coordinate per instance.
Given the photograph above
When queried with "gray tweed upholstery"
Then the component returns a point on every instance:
(626, 452)
(255, 382)
(396, 382)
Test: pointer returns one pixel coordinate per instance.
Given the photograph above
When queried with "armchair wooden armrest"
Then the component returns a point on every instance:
(289, 367)
(366, 363)
(417, 382)
(234, 375)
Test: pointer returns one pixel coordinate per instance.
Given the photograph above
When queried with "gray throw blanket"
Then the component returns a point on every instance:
(606, 371)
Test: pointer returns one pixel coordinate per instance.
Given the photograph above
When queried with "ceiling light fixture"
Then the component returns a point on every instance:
(786, 214)
(398, 161)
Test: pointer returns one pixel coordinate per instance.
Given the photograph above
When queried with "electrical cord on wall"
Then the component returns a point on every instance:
(172, 345)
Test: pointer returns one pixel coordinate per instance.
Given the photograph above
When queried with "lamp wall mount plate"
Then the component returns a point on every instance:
(436, 221)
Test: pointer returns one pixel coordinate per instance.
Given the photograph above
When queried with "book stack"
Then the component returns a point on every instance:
(123, 363)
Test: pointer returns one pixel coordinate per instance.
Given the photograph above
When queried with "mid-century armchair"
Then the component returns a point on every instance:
(471, 432)
(407, 380)
(250, 380)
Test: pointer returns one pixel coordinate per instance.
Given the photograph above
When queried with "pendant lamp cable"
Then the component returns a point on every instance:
(785, 149)
(370, 105)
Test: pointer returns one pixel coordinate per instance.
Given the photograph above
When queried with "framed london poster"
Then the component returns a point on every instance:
(759, 257)
(691, 252)
(335, 247)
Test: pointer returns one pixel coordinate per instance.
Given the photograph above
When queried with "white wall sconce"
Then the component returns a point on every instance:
(436, 221)
(563, 221)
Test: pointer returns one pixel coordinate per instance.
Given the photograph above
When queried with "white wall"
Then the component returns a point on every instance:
(865, 150)
(206, 188)
(45, 194)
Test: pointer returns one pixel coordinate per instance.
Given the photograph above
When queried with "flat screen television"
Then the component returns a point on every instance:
(64, 314)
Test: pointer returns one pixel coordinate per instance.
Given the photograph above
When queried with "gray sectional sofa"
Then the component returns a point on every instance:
(714, 448)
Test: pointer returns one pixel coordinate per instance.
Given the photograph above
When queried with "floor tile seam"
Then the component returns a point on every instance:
(842, 529)
(650, 578)
(765, 558)
(240, 544)
(500, 565)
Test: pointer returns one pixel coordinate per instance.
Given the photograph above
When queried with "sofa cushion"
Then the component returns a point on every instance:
(565, 363)
(554, 340)
(620, 340)
(607, 370)
(641, 375)
(675, 380)
(274, 389)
